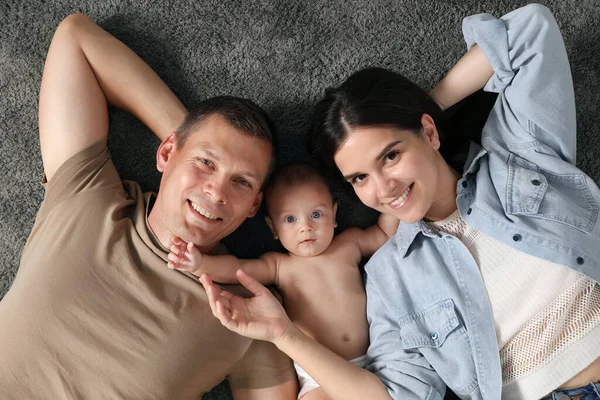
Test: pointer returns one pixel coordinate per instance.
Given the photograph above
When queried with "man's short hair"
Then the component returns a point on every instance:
(242, 114)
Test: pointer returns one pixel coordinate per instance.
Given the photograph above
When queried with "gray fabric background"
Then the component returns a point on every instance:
(280, 53)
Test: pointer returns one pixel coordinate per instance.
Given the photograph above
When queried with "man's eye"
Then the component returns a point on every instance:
(206, 162)
(244, 182)
(391, 156)
(316, 214)
(358, 179)
(290, 219)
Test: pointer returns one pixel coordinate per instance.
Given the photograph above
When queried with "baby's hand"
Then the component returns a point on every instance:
(184, 256)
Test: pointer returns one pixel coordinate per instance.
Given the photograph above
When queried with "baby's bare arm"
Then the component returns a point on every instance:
(371, 239)
(187, 257)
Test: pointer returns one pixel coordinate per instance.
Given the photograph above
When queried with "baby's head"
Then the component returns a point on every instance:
(301, 210)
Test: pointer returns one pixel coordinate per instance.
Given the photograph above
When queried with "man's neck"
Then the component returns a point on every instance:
(163, 234)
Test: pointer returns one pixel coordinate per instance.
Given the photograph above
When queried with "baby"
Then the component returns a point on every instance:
(319, 278)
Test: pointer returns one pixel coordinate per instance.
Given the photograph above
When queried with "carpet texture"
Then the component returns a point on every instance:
(280, 53)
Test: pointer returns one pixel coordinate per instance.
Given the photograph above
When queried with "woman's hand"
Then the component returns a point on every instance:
(260, 317)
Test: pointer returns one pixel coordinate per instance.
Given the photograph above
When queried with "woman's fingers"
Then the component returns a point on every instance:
(210, 291)
(250, 283)
(216, 295)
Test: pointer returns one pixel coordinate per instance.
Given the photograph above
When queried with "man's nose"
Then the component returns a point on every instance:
(217, 189)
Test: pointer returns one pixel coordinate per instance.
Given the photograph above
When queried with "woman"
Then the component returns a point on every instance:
(490, 286)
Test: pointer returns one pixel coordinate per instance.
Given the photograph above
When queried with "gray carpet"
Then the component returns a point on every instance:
(280, 53)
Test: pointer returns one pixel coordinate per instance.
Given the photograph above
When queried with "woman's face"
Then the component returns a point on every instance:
(397, 172)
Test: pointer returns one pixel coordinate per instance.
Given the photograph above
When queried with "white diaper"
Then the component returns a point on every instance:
(307, 383)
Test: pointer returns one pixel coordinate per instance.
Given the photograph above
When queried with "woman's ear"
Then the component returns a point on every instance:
(430, 132)
(165, 150)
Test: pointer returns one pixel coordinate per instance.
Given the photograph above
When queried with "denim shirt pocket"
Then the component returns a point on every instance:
(563, 198)
(439, 334)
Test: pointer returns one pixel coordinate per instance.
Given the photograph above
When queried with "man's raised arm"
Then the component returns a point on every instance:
(85, 68)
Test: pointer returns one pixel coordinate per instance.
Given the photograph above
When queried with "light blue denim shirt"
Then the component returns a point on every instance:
(430, 319)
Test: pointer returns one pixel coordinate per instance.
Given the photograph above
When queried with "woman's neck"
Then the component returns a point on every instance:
(444, 203)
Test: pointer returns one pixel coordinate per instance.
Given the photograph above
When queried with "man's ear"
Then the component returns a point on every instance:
(165, 150)
(256, 205)
(271, 227)
(430, 132)
(334, 214)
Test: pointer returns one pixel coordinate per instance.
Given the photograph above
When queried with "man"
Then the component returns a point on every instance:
(94, 312)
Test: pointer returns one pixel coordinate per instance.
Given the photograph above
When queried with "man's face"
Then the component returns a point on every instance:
(210, 185)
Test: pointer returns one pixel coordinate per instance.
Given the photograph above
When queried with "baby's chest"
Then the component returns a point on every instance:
(322, 281)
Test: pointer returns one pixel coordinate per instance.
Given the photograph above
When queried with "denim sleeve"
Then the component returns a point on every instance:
(406, 375)
(532, 76)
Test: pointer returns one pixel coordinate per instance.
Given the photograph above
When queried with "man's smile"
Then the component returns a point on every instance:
(201, 212)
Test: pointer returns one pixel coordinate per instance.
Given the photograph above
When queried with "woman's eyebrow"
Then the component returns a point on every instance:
(381, 154)
(386, 149)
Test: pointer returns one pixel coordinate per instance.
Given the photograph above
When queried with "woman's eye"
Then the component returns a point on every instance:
(290, 219)
(391, 156)
(316, 214)
(358, 179)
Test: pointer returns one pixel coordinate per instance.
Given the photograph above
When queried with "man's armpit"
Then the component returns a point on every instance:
(90, 169)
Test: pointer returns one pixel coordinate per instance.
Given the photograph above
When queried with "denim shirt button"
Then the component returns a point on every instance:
(433, 335)
(580, 260)
(517, 238)
(536, 182)
(464, 184)
(563, 396)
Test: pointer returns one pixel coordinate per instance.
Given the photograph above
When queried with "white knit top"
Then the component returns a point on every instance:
(547, 316)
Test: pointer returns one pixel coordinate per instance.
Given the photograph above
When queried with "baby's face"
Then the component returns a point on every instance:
(303, 217)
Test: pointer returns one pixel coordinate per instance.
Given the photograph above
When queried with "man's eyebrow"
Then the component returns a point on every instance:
(209, 152)
(381, 154)
(251, 175)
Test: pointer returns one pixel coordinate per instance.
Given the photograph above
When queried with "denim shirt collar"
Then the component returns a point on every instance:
(407, 233)
(475, 153)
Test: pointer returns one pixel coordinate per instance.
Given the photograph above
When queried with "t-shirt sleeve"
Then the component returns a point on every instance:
(262, 366)
(90, 169)
(536, 100)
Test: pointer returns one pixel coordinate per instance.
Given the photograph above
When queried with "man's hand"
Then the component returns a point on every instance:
(260, 317)
(184, 256)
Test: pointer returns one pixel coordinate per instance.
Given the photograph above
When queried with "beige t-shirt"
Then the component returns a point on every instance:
(94, 312)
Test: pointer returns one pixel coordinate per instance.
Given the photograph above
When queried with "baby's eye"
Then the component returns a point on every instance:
(316, 214)
(358, 179)
(290, 219)
(391, 156)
